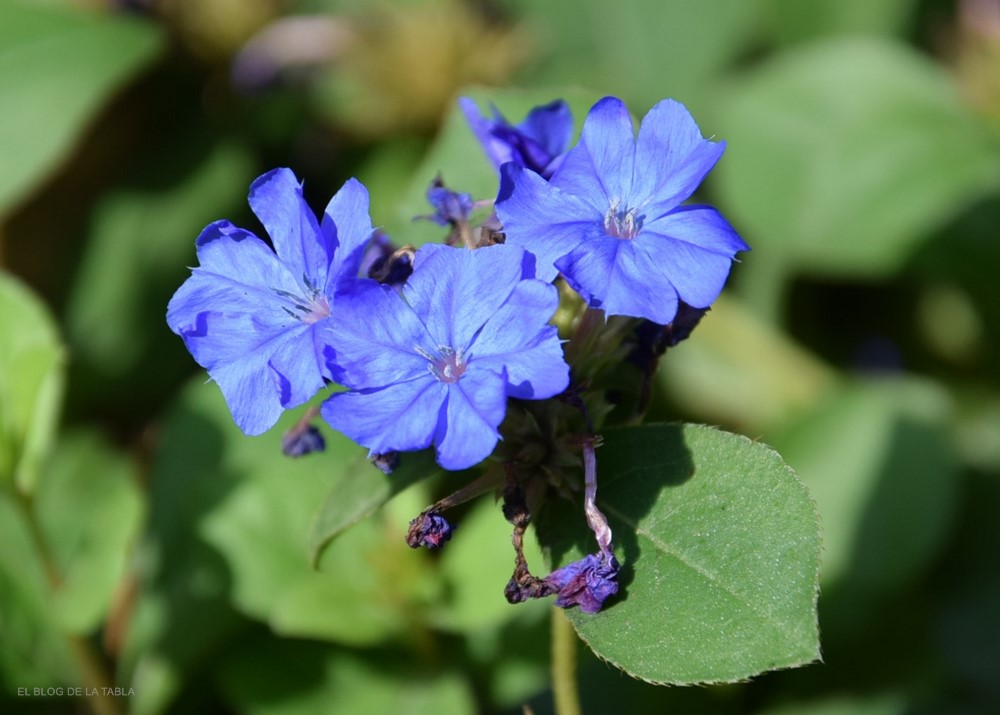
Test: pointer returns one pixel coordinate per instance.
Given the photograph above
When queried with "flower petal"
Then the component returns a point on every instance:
(236, 349)
(599, 168)
(696, 274)
(542, 219)
(672, 158)
(701, 226)
(519, 339)
(498, 151)
(346, 227)
(239, 273)
(371, 338)
(551, 126)
(476, 406)
(276, 198)
(454, 291)
(535, 143)
(231, 252)
(618, 277)
(397, 418)
(586, 583)
(299, 368)
(250, 393)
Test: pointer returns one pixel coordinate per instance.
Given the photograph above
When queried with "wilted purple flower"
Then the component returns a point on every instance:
(611, 221)
(586, 583)
(250, 315)
(436, 364)
(538, 143)
(431, 530)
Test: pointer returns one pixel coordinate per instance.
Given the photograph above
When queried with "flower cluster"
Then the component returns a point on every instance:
(436, 346)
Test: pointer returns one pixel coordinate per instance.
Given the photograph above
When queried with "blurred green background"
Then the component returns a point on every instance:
(860, 337)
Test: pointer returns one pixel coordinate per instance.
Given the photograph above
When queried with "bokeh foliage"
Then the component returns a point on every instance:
(860, 338)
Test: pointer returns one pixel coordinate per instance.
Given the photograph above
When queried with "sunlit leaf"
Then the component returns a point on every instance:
(359, 489)
(34, 648)
(843, 156)
(875, 457)
(642, 50)
(795, 21)
(57, 67)
(31, 382)
(89, 507)
(737, 369)
(138, 251)
(720, 550)
(259, 522)
(477, 564)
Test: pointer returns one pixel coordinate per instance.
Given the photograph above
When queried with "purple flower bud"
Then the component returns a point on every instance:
(431, 530)
(450, 207)
(386, 462)
(300, 441)
(586, 583)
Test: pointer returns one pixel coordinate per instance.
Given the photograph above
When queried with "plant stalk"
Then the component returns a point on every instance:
(92, 669)
(564, 645)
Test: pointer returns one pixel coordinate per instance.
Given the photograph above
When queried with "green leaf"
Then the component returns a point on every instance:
(260, 526)
(63, 554)
(31, 383)
(742, 371)
(34, 648)
(307, 678)
(719, 544)
(843, 156)
(358, 490)
(138, 249)
(641, 50)
(477, 564)
(875, 457)
(57, 67)
(458, 158)
(795, 21)
(89, 507)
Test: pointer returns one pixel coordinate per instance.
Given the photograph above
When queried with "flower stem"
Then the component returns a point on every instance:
(564, 690)
(596, 520)
(92, 670)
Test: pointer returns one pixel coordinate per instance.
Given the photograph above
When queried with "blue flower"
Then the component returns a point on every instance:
(436, 364)
(538, 143)
(250, 315)
(586, 583)
(611, 220)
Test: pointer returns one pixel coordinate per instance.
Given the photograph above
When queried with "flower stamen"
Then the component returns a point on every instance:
(624, 224)
(448, 366)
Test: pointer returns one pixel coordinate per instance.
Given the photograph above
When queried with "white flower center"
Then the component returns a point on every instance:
(621, 223)
(309, 308)
(448, 366)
